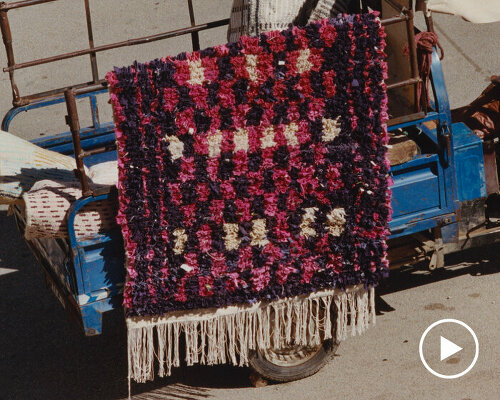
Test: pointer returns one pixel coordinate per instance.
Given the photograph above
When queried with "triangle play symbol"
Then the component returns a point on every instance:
(448, 348)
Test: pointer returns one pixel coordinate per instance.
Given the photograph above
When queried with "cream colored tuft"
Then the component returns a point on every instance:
(214, 142)
(331, 129)
(307, 219)
(251, 65)
(176, 147)
(197, 72)
(303, 63)
(231, 239)
(290, 133)
(267, 139)
(240, 140)
(335, 221)
(180, 240)
(259, 233)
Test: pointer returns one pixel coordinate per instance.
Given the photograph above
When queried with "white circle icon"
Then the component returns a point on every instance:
(448, 348)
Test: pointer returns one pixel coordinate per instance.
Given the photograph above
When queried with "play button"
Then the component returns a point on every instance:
(449, 348)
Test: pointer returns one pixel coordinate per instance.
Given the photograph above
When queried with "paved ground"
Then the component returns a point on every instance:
(42, 356)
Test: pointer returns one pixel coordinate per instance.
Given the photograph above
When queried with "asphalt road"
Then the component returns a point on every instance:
(43, 356)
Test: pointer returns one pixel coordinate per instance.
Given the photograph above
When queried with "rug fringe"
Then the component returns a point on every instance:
(217, 336)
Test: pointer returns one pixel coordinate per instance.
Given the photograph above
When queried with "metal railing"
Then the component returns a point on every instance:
(92, 50)
(70, 93)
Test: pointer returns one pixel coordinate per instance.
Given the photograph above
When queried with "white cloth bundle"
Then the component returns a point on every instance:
(23, 163)
(105, 173)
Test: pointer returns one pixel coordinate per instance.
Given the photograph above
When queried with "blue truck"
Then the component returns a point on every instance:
(443, 180)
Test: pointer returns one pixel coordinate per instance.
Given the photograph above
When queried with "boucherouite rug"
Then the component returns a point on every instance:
(253, 193)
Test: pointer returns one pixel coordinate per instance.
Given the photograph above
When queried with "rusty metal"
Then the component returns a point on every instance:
(24, 3)
(130, 42)
(93, 57)
(394, 20)
(93, 61)
(88, 88)
(406, 118)
(57, 92)
(407, 17)
(74, 126)
(407, 82)
(410, 31)
(92, 51)
(7, 41)
(195, 38)
(429, 22)
(97, 150)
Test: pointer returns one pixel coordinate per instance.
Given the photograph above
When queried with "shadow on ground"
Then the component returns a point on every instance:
(43, 356)
(476, 262)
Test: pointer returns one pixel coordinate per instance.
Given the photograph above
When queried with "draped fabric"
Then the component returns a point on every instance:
(252, 174)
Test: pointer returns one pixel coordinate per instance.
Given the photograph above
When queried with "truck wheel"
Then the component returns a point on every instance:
(292, 363)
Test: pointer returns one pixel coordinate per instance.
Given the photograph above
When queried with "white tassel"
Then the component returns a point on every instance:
(242, 338)
(215, 336)
(288, 327)
(231, 338)
(211, 337)
(372, 305)
(162, 343)
(203, 334)
(221, 341)
(327, 304)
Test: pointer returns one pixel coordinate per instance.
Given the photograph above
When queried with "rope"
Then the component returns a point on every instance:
(425, 42)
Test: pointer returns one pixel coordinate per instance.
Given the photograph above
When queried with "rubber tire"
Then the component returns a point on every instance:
(277, 373)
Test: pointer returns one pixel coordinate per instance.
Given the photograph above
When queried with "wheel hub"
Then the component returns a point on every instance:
(291, 355)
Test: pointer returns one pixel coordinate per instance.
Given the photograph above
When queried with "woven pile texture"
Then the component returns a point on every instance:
(254, 170)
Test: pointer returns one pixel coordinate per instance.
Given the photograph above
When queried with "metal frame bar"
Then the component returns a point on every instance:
(10, 115)
(195, 38)
(74, 124)
(93, 57)
(18, 100)
(23, 3)
(415, 79)
(130, 42)
(92, 50)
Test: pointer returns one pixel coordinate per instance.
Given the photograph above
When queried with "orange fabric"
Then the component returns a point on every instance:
(483, 114)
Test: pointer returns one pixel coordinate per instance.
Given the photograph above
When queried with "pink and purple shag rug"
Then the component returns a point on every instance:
(253, 192)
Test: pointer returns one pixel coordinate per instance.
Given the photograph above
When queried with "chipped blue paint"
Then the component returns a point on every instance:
(425, 188)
